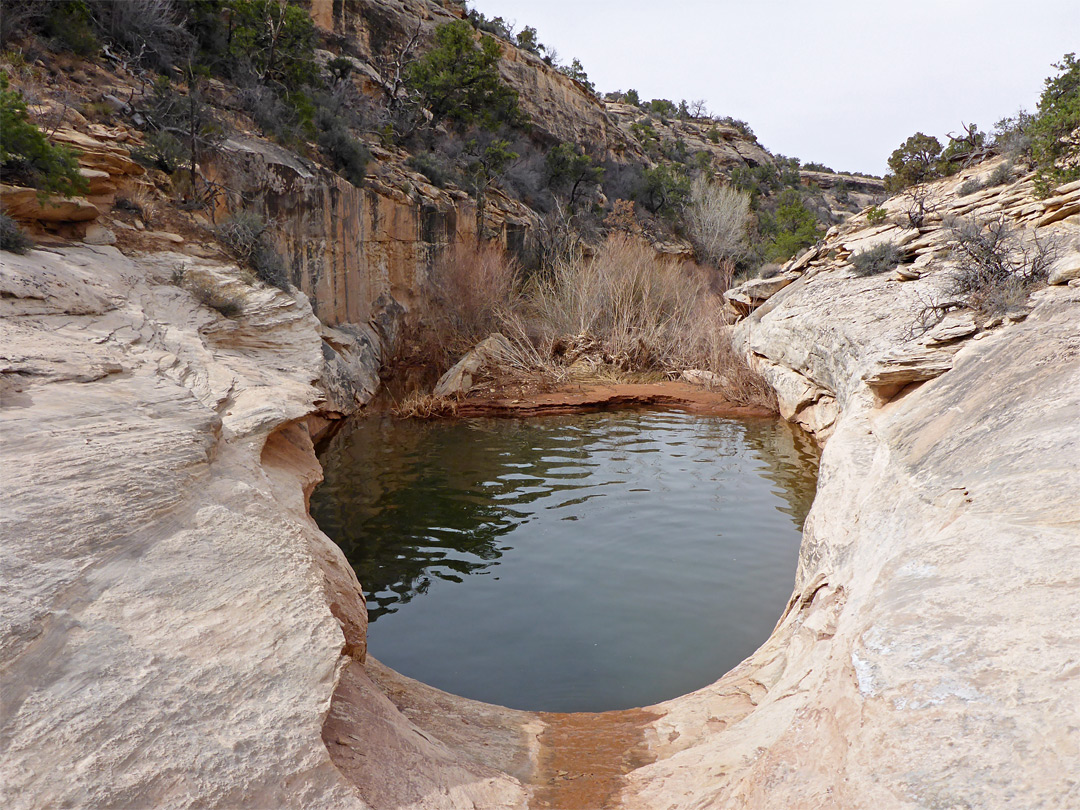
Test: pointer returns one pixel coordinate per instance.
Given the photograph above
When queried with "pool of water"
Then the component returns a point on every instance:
(569, 563)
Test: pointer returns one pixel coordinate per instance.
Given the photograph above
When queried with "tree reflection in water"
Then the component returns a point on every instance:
(409, 502)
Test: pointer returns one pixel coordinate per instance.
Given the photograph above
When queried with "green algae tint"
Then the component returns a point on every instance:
(569, 563)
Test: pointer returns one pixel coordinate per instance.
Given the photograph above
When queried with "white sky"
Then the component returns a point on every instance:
(840, 82)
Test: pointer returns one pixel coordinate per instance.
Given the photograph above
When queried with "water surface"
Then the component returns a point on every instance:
(569, 563)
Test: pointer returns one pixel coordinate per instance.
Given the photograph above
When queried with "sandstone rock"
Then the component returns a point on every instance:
(805, 259)
(99, 155)
(1058, 214)
(1065, 269)
(925, 503)
(99, 182)
(166, 236)
(1067, 188)
(350, 248)
(488, 353)
(954, 326)
(97, 234)
(352, 358)
(909, 366)
(25, 204)
(165, 590)
(757, 290)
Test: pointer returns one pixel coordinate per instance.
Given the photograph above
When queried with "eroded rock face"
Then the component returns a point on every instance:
(920, 661)
(173, 624)
(348, 247)
(177, 632)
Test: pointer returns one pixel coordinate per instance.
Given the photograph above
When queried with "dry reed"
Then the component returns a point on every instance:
(624, 311)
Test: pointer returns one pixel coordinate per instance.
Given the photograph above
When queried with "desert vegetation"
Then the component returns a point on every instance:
(880, 258)
(621, 312)
(26, 154)
(12, 238)
(999, 265)
(1045, 140)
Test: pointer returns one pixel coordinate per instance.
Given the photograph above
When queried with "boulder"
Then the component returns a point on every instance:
(487, 353)
(954, 326)
(908, 366)
(1065, 269)
(757, 290)
(97, 234)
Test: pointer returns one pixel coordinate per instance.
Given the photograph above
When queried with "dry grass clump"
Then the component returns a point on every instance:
(739, 383)
(624, 313)
(208, 294)
(643, 310)
(420, 405)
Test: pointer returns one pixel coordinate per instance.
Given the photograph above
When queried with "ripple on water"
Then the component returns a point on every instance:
(570, 563)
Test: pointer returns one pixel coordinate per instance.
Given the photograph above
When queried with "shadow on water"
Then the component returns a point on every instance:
(584, 540)
(411, 501)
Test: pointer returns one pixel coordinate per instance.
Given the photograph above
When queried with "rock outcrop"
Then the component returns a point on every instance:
(174, 625)
(922, 660)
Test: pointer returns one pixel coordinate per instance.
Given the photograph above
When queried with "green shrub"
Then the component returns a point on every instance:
(568, 168)
(458, 79)
(346, 155)
(879, 259)
(69, 24)
(1012, 135)
(663, 107)
(1001, 175)
(792, 228)
(969, 187)
(12, 237)
(527, 40)
(665, 189)
(163, 151)
(576, 71)
(277, 39)
(915, 161)
(26, 156)
(741, 126)
(1055, 147)
(876, 215)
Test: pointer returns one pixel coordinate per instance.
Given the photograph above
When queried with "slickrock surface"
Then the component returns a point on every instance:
(175, 631)
(173, 625)
(927, 658)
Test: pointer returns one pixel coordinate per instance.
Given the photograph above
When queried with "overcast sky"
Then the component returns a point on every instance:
(840, 82)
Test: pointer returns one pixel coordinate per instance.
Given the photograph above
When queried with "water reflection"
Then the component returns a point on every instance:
(611, 559)
(410, 501)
